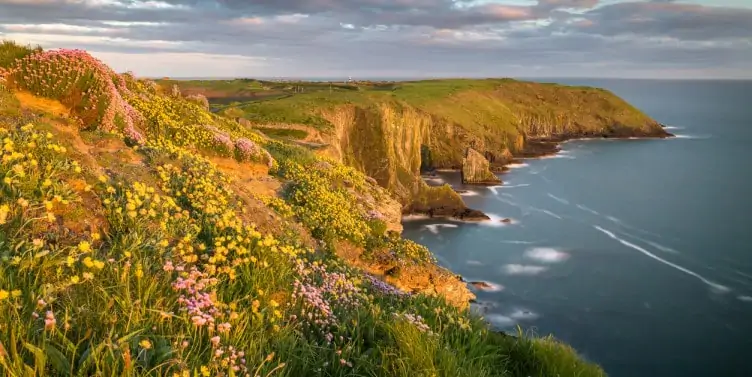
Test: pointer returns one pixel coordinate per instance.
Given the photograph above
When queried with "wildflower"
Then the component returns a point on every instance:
(84, 246)
(145, 344)
(4, 209)
(75, 279)
(88, 275)
(37, 243)
(4, 294)
(49, 320)
(215, 341)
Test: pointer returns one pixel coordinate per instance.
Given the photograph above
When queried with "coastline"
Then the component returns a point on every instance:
(537, 149)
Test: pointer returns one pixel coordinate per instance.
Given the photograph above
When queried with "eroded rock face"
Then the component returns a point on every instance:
(426, 278)
(476, 169)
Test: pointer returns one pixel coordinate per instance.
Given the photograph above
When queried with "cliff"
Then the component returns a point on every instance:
(393, 133)
(142, 235)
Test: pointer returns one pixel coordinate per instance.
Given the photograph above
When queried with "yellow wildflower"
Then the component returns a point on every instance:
(88, 262)
(75, 279)
(4, 209)
(4, 294)
(84, 246)
(145, 344)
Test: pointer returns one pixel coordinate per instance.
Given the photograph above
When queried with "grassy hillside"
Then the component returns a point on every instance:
(141, 235)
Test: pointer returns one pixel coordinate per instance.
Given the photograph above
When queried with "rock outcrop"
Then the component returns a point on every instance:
(476, 169)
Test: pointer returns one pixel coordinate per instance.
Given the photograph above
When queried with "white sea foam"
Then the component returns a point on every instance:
(673, 128)
(514, 186)
(469, 193)
(546, 255)
(558, 199)
(523, 269)
(660, 247)
(523, 315)
(586, 209)
(693, 137)
(499, 320)
(472, 262)
(434, 228)
(494, 189)
(508, 195)
(715, 286)
(547, 212)
(517, 165)
(434, 179)
(744, 298)
(613, 219)
(515, 242)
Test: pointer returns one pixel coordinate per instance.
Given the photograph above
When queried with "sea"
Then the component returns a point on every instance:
(638, 253)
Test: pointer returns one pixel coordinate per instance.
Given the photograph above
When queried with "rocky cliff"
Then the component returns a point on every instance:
(476, 170)
(394, 135)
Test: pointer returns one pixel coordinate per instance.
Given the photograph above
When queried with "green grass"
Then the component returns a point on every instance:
(11, 51)
(283, 133)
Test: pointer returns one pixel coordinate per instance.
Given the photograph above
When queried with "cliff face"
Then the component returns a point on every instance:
(392, 138)
(476, 169)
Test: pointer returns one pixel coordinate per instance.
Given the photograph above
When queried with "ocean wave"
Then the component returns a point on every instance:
(673, 128)
(693, 137)
(469, 193)
(499, 320)
(744, 298)
(515, 242)
(715, 286)
(434, 228)
(546, 255)
(517, 165)
(523, 315)
(473, 262)
(558, 199)
(586, 209)
(523, 269)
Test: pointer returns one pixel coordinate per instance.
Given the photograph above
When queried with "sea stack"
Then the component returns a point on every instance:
(476, 169)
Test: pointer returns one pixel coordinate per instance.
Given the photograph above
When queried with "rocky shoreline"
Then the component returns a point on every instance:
(534, 148)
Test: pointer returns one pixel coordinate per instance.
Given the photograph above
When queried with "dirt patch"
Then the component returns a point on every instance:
(250, 180)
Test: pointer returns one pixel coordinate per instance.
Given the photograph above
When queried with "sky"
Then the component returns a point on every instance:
(396, 38)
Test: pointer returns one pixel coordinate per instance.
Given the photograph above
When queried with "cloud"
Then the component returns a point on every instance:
(395, 38)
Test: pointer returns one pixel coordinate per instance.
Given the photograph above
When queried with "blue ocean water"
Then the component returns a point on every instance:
(636, 252)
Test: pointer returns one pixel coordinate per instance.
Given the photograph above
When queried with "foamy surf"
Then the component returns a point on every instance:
(744, 298)
(546, 255)
(517, 165)
(586, 209)
(499, 320)
(434, 228)
(558, 199)
(523, 269)
(472, 262)
(715, 286)
(469, 193)
(673, 128)
(515, 242)
(523, 315)
(434, 179)
(693, 137)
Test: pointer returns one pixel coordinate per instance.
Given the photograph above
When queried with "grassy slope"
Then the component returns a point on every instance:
(126, 255)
